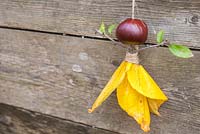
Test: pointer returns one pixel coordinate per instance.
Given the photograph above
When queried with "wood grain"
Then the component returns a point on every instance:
(179, 18)
(62, 76)
(20, 121)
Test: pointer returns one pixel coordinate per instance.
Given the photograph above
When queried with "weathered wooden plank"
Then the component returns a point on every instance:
(179, 18)
(20, 121)
(62, 76)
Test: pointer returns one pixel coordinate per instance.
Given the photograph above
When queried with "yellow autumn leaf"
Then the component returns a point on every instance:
(134, 104)
(137, 93)
(142, 82)
(113, 83)
(154, 105)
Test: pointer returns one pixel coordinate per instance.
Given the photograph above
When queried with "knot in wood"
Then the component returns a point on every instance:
(194, 19)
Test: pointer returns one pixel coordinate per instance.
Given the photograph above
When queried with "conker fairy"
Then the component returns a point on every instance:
(132, 32)
(137, 92)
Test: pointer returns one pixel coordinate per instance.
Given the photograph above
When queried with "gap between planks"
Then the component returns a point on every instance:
(57, 118)
(70, 35)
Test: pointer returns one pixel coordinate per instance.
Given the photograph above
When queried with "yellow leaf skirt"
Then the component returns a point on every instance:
(137, 93)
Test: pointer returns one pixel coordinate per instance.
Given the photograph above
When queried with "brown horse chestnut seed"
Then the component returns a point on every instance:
(132, 32)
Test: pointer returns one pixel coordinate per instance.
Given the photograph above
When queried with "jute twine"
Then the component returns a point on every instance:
(132, 58)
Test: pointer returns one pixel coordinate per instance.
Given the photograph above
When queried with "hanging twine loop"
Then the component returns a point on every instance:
(133, 9)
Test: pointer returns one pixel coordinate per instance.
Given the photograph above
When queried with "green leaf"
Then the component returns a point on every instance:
(160, 36)
(102, 28)
(180, 51)
(111, 28)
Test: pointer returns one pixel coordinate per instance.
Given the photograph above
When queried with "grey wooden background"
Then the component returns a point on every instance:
(42, 45)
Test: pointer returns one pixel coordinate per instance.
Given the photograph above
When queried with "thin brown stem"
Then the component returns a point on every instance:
(107, 36)
(111, 39)
(151, 45)
(164, 43)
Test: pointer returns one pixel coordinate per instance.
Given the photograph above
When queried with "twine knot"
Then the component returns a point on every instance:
(132, 58)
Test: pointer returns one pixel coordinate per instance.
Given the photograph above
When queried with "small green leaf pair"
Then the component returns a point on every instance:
(176, 49)
(110, 29)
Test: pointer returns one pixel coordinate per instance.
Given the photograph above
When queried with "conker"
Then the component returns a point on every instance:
(132, 32)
